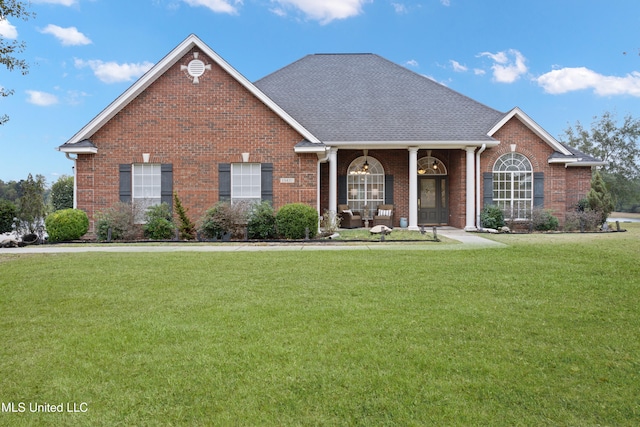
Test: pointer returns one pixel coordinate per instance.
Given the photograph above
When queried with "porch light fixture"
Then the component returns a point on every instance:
(364, 169)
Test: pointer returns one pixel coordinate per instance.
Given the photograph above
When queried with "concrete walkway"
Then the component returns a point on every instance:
(467, 240)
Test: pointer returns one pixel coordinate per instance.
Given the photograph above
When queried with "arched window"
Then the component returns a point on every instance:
(365, 184)
(431, 166)
(513, 185)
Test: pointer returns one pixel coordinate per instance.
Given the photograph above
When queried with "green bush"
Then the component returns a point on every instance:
(292, 219)
(262, 222)
(224, 218)
(66, 224)
(8, 211)
(543, 220)
(492, 216)
(159, 223)
(120, 218)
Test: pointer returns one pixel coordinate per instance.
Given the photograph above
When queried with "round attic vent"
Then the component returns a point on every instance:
(196, 68)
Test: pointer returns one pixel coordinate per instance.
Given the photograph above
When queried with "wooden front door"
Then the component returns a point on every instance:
(433, 203)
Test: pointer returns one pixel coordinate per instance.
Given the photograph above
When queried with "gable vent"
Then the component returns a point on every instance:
(196, 68)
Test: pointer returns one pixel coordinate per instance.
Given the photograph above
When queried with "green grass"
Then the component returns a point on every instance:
(541, 332)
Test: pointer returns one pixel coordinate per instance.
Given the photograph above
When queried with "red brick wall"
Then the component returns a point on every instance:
(195, 127)
(563, 186)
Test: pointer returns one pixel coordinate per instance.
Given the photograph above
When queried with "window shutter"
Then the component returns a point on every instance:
(388, 189)
(342, 189)
(266, 182)
(125, 183)
(166, 184)
(487, 188)
(224, 182)
(538, 189)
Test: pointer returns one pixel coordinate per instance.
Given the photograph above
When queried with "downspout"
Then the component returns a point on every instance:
(478, 186)
(75, 179)
(320, 160)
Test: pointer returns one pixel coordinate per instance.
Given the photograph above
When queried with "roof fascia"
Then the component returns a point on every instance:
(359, 145)
(77, 150)
(160, 68)
(533, 126)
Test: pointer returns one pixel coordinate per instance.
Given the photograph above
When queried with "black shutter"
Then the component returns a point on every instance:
(487, 189)
(538, 189)
(342, 189)
(388, 189)
(166, 184)
(125, 183)
(266, 182)
(224, 182)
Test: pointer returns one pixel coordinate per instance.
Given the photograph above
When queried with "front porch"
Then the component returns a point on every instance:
(426, 186)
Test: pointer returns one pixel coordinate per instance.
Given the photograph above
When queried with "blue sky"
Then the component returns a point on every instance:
(561, 61)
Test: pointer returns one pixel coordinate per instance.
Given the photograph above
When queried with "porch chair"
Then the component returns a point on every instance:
(384, 216)
(348, 218)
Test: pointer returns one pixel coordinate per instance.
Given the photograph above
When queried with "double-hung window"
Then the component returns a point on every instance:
(246, 182)
(146, 187)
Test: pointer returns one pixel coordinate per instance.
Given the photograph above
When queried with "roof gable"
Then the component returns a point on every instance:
(533, 126)
(159, 69)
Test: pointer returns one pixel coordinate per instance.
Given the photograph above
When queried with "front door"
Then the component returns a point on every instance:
(433, 205)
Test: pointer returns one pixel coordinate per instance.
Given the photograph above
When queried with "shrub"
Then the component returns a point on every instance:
(120, 218)
(599, 198)
(330, 222)
(224, 218)
(67, 224)
(294, 218)
(492, 216)
(543, 220)
(159, 223)
(262, 222)
(187, 227)
(8, 211)
(586, 220)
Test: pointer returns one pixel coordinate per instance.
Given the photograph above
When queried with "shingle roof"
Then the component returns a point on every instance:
(364, 97)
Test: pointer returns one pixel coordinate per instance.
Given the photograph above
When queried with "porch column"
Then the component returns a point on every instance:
(471, 197)
(413, 188)
(333, 179)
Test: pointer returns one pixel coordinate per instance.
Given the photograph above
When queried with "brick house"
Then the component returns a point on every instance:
(326, 130)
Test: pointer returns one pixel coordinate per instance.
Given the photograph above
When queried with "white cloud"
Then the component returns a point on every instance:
(218, 6)
(60, 2)
(42, 99)
(458, 67)
(479, 72)
(324, 11)
(112, 72)
(68, 36)
(445, 2)
(7, 30)
(572, 79)
(509, 65)
(399, 8)
(412, 63)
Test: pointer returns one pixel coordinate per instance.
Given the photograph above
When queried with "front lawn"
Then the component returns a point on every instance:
(541, 332)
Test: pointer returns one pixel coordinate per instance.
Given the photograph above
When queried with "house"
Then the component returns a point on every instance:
(325, 130)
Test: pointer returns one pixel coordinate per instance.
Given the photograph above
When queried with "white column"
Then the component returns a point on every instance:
(333, 179)
(413, 188)
(471, 187)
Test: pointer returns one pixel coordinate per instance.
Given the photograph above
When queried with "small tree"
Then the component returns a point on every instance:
(62, 193)
(8, 211)
(599, 198)
(31, 207)
(187, 227)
